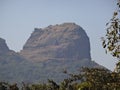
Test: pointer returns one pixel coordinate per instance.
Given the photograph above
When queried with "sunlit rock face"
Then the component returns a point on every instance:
(66, 41)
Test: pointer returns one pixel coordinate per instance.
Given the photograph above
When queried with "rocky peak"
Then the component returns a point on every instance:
(65, 41)
(3, 46)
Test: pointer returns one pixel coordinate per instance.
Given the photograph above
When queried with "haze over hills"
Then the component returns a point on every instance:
(46, 54)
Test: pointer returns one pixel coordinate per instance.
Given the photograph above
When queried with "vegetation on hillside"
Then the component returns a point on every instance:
(87, 79)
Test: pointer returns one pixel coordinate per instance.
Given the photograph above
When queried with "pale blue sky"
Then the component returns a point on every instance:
(18, 18)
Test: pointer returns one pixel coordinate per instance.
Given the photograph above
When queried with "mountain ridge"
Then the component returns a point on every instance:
(46, 54)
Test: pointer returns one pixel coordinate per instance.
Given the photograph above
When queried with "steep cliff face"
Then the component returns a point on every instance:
(3, 46)
(66, 41)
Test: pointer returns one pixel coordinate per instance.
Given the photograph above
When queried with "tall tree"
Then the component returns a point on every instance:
(111, 41)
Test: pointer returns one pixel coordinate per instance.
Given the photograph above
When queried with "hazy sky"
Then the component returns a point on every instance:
(18, 18)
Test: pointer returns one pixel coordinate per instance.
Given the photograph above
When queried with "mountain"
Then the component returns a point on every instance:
(46, 54)
(66, 41)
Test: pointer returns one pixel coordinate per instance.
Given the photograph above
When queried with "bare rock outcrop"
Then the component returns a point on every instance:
(66, 41)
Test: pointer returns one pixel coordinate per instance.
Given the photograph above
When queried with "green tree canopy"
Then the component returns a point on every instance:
(111, 41)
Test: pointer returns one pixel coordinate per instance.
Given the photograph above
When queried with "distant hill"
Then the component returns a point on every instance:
(46, 54)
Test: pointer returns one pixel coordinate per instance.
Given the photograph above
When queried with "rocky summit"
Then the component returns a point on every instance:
(66, 41)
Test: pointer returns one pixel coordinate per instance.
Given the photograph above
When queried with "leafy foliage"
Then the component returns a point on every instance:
(111, 41)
